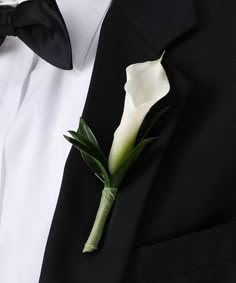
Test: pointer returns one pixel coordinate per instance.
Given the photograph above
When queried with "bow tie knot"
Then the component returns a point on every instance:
(6, 21)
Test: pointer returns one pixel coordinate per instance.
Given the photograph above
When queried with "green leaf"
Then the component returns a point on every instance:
(91, 164)
(118, 176)
(154, 121)
(92, 149)
(79, 145)
(94, 164)
(80, 138)
(85, 131)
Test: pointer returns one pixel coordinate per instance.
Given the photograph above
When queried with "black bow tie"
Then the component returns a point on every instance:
(39, 24)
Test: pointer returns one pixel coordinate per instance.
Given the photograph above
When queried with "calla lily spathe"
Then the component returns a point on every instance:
(146, 84)
(11, 2)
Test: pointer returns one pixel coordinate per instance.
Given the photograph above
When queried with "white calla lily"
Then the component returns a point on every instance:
(11, 2)
(146, 84)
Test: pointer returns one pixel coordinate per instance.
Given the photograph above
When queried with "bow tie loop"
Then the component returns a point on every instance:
(40, 25)
(6, 21)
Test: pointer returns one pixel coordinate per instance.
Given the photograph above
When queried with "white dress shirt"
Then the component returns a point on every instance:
(38, 104)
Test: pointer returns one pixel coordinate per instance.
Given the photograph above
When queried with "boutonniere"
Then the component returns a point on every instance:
(146, 84)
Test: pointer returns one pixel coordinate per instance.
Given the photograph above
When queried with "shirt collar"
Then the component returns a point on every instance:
(83, 18)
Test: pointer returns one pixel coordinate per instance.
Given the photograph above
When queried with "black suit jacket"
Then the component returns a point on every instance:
(174, 218)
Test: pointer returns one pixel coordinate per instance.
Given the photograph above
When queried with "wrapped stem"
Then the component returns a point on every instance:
(107, 200)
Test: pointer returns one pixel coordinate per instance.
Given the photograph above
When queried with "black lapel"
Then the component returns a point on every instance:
(133, 31)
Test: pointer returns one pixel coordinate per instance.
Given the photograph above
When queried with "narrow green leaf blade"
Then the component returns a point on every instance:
(119, 175)
(93, 163)
(77, 144)
(97, 167)
(93, 150)
(85, 130)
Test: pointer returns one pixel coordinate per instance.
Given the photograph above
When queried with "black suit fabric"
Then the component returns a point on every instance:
(175, 216)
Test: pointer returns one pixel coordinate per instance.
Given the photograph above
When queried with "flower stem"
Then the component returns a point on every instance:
(107, 200)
